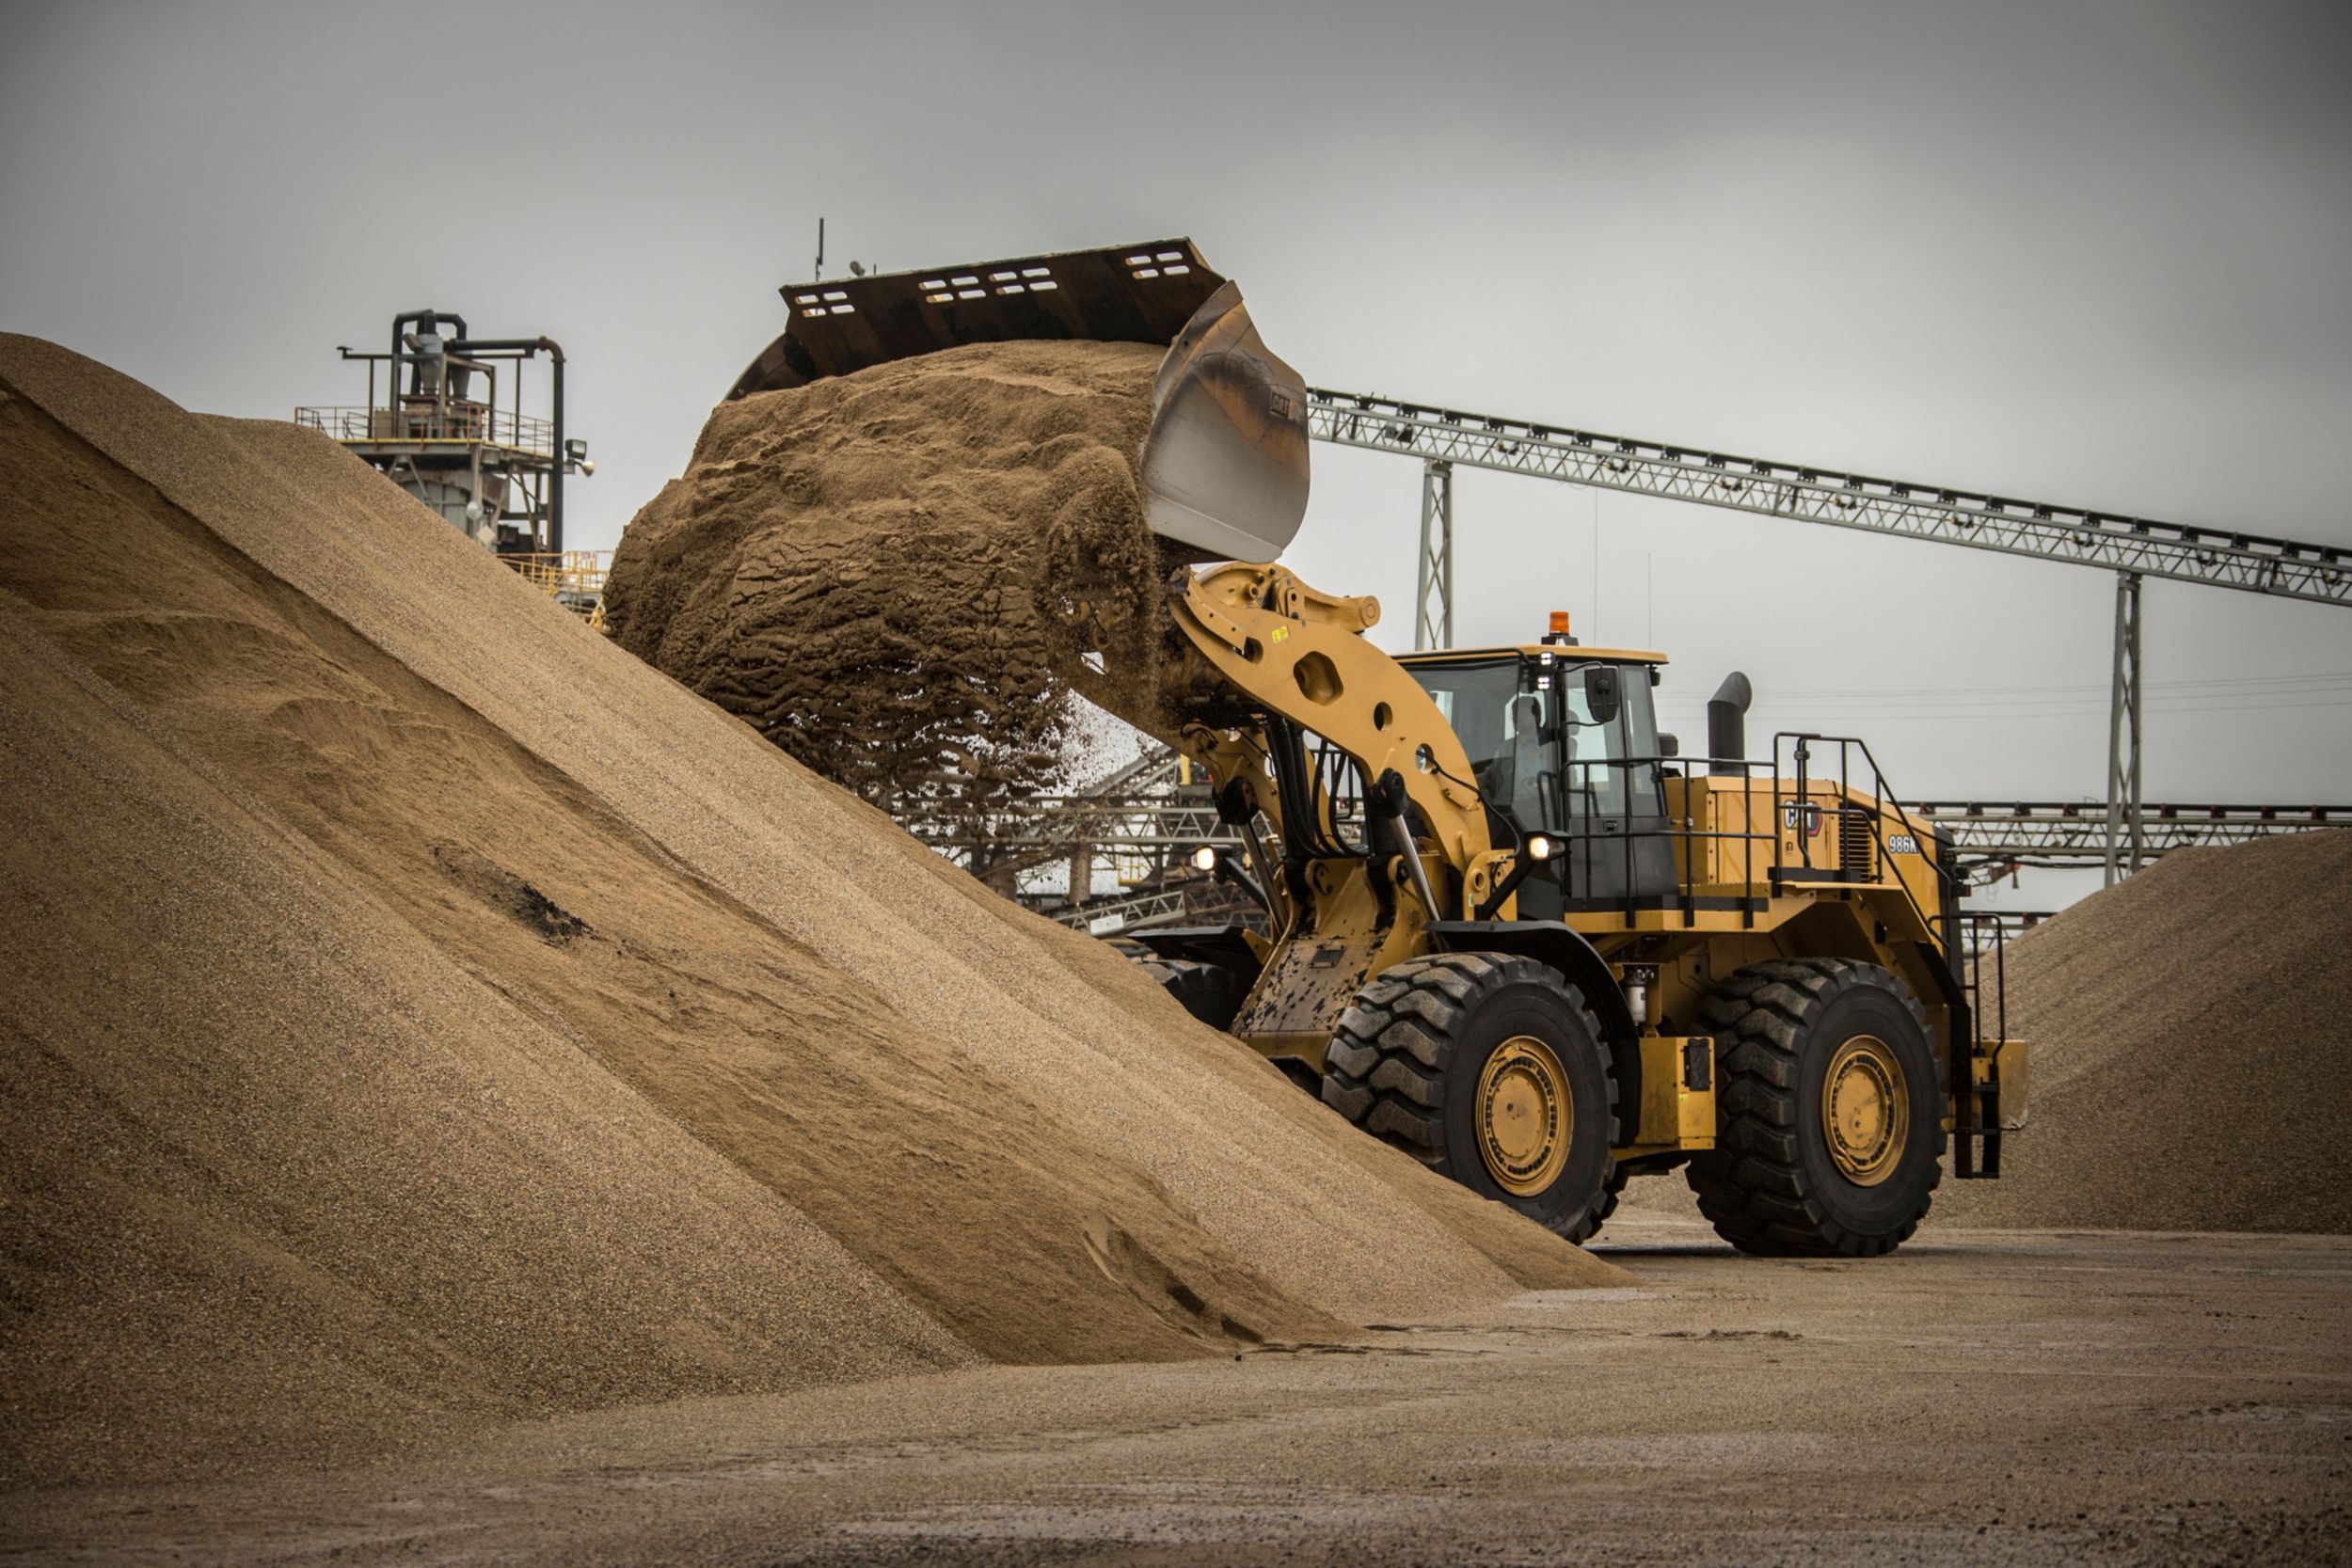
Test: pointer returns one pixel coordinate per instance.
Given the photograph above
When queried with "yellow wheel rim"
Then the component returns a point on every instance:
(1525, 1114)
(1866, 1110)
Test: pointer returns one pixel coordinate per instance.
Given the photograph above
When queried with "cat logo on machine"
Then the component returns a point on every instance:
(1802, 816)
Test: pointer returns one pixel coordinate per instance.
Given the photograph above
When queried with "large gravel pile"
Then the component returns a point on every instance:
(282, 1175)
(420, 1012)
(2191, 1031)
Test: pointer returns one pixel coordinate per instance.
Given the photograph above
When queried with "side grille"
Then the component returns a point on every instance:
(1857, 853)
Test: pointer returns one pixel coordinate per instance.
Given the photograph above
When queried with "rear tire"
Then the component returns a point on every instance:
(1829, 1110)
(1490, 1069)
(1209, 992)
(1611, 1194)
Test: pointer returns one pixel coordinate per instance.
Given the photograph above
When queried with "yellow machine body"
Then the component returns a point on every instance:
(1764, 867)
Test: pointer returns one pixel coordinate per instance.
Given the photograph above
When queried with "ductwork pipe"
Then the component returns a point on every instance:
(554, 351)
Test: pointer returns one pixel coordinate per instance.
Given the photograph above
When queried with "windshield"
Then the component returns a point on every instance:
(1521, 752)
(1505, 729)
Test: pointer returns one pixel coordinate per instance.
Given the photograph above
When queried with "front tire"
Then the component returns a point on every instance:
(1490, 1069)
(1829, 1110)
(1209, 992)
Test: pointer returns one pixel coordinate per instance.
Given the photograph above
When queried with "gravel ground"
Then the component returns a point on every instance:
(1979, 1398)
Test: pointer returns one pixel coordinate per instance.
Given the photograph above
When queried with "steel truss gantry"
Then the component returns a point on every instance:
(2124, 732)
(2216, 557)
(1108, 824)
(1146, 813)
(1432, 606)
(2071, 832)
(2132, 547)
(1139, 821)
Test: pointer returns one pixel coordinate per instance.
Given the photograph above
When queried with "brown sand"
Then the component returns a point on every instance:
(281, 1175)
(2190, 1029)
(896, 574)
(310, 1142)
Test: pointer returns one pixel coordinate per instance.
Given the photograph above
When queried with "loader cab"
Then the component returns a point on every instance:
(1564, 740)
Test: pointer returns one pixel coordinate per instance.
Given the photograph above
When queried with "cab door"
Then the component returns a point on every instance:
(1611, 802)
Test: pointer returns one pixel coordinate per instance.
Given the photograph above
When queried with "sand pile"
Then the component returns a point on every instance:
(282, 1175)
(421, 1012)
(896, 574)
(2191, 1028)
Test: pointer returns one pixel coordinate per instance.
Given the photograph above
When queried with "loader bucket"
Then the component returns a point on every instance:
(1225, 462)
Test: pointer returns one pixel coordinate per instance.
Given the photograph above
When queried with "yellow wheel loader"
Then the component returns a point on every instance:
(1509, 928)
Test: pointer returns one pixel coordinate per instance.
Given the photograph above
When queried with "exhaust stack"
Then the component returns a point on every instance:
(1728, 725)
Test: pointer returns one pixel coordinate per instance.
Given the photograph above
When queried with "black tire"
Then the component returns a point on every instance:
(1408, 1063)
(1771, 1184)
(1610, 1194)
(1209, 992)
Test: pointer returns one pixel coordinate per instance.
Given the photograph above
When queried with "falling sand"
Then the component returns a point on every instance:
(898, 575)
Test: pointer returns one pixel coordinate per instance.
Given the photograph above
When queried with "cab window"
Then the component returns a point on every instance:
(1612, 766)
(1540, 755)
(1506, 726)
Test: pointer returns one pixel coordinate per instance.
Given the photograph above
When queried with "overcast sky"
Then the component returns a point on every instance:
(2093, 254)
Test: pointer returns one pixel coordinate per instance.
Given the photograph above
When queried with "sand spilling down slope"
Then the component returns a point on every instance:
(896, 574)
(2192, 1049)
(431, 1013)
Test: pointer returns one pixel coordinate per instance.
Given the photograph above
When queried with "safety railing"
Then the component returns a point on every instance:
(1964, 953)
(1976, 1107)
(574, 580)
(1984, 929)
(1800, 746)
(474, 422)
(1965, 948)
(1618, 820)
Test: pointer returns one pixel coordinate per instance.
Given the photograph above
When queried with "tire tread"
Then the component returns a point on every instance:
(1753, 1187)
(1385, 1068)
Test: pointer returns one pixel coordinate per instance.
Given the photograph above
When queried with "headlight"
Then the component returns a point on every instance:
(1541, 846)
(1204, 858)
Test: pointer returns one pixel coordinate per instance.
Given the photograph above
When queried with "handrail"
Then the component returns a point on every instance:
(470, 423)
(1579, 830)
(1880, 797)
(1970, 1101)
(574, 579)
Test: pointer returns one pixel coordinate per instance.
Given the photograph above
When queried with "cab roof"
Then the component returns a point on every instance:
(1569, 651)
